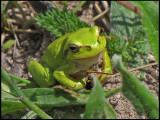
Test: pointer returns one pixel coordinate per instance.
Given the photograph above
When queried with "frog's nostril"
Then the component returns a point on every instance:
(89, 47)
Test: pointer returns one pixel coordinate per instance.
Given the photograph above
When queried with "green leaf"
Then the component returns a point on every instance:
(30, 115)
(124, 22)
(150, 21)
(95, 104)
(50, 97)
(23, 98)
(109, 111)
(8, 44)
(10, 106)
(142, 99)
(97, 107)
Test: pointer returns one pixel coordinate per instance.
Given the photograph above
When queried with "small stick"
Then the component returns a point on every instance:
(130, 6)
(100, 15)
(104, 20)
(99, 72)
(28, 31)
(151, 64)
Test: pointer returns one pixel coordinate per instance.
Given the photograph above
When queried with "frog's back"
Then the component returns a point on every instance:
(53, 55)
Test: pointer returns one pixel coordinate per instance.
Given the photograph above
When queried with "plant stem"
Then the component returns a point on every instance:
(20, 79)
(78, 6)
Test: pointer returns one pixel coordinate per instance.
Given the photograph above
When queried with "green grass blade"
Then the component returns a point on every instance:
(21, 79)
(78, 6)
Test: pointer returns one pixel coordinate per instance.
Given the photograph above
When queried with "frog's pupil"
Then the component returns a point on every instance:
(72, 48)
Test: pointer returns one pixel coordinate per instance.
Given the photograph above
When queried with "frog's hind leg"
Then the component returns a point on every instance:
(42, 75)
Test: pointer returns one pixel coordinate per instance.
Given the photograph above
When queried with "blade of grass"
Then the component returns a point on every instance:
(21, 79)
(78, 6)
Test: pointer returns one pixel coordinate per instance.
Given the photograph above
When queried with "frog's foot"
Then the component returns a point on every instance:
(68, 81)
(42, 75)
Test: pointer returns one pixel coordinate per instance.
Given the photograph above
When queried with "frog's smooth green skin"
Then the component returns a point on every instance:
(69, 57)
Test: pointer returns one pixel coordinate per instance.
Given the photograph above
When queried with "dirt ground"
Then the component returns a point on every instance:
(32, 45)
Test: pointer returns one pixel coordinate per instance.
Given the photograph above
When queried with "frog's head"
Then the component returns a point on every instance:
(84, 46)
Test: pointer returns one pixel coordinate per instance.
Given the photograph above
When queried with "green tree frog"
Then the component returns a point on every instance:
(68, 59)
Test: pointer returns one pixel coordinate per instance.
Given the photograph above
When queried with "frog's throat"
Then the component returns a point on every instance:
(86, 63)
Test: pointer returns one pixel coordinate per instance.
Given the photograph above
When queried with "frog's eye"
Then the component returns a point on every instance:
(101, 30)
(74, 48)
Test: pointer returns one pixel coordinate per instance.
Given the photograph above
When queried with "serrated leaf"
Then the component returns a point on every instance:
(8, 44)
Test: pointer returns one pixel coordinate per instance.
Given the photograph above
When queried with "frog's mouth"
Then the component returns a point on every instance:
(94, 63)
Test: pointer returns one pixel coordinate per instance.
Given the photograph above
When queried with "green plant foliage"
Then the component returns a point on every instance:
(123, 21)
(60, 22)
(142, 99)
(22, 97)
(150, 20)
(109, 111)
(95, 104)
(8, 44)
(134, 50)
(131, 41)
(97, 107)
(48, 97)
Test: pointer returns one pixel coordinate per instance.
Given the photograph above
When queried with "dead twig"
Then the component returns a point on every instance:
(137, 68)
(130, 6)
(100, 15)
(27, 31)
(104, 20)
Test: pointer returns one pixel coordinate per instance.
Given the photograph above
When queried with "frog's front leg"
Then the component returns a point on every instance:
(41, 74)
(62, 76)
